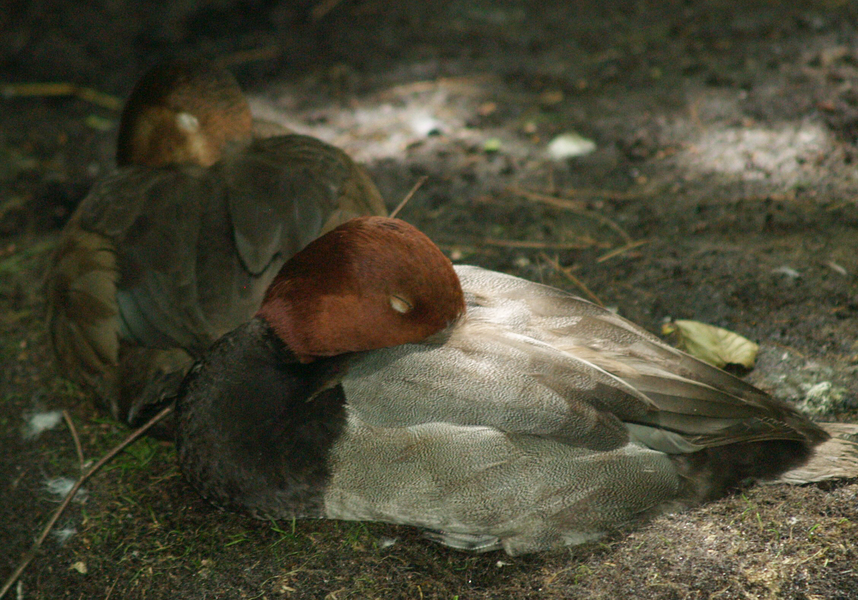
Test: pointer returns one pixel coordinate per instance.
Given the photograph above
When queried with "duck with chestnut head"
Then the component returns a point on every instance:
(177, 246)
(378, 382)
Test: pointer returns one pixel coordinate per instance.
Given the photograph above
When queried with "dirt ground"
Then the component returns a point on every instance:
(722, 188)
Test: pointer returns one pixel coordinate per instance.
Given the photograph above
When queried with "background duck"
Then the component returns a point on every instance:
(177, 246)
(492, 411)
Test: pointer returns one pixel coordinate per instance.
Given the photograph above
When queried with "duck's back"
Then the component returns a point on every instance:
(171, 258)
(691, 397)
(542, 376)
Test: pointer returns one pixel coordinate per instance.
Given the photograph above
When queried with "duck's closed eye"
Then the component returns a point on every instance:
(400, 304)
(187, 122)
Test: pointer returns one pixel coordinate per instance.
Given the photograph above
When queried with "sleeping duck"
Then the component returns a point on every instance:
(177, 246)
(378, 382)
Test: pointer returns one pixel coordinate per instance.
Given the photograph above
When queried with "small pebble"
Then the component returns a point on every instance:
(570, 145)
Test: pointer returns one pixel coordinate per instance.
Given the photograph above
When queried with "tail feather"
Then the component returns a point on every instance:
(836, 458)
(82, 311)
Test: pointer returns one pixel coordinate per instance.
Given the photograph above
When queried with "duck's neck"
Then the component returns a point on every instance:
(256, 426)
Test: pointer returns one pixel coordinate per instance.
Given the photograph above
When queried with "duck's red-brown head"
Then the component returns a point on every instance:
(182, 112)
(371, 283)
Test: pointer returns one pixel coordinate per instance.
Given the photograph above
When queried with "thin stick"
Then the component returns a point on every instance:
(537, 244)
(622, 250)
(575, 206)
(578, 206)
(840, 205)
(252, 55)
(50, 89)
(568, 273)
(409, 195)
(609, 194)
(113, 585)
(76, 439)
(463, 85)
(323, 8)
(31, 554)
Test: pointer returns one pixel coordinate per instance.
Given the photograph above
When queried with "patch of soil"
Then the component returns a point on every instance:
(722, 188)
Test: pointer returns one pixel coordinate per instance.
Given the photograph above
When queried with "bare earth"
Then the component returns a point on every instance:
(722, 188)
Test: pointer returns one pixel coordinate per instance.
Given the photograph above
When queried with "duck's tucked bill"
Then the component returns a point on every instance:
(177, 246)
(378, 382)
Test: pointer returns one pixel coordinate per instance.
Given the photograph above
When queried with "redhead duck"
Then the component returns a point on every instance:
(177, 246)
(377, 382)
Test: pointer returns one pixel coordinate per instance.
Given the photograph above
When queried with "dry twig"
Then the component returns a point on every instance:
(252, 55)
(408, 196)
(75, 437)
(50, 89)
(586, 243)
(568, 273)
(575, 206)
(323, 8)
(608, 194)
(622, 250)
(466, 85)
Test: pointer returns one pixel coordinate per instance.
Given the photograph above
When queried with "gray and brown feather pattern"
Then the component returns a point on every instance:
(177, 246)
